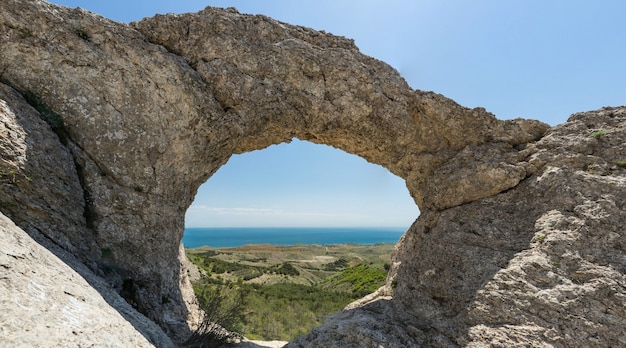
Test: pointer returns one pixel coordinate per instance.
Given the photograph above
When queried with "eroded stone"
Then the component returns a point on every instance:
(511, 220)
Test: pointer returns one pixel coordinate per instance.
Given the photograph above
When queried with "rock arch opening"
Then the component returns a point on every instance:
(301, 184)
(296, 228)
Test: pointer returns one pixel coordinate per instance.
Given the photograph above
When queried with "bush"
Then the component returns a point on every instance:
(336, 265)
(287, 269)
(223, 314)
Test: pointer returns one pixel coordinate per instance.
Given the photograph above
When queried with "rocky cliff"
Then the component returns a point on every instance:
(542, 264)
(107, 130)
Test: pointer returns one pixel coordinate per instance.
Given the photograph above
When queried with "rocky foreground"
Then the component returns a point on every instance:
(107, 130)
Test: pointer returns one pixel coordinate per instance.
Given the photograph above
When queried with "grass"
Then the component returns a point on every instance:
(12, 176)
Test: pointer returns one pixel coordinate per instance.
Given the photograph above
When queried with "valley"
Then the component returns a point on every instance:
(281, 292)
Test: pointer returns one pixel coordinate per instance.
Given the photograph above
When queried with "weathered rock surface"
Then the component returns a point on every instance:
(46, 303)
(542, 264)
(49, 298)
(41, 188)
(519, 242)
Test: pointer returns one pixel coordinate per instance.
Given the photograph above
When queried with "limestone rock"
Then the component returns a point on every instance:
(568, 286)
(150, 112)
(40, 187)
(133, 217)
(542, 264)
(45, 303)
(280, 81)
(520, 240)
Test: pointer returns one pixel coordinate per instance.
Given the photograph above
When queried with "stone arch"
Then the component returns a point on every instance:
(152, 110)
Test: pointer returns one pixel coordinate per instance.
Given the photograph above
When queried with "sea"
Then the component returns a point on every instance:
(225, 237)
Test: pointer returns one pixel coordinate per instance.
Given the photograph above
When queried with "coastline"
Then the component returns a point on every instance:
(219, 237)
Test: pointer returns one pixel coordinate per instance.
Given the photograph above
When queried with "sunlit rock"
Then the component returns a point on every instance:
(520, 240)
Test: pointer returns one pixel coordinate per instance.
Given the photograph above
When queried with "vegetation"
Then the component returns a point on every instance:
(621, 163)
(287, 269)
(222, 305)
(598, 133)
(82, 33)
(362, 279)
(11, 176)
(286, 310)
(336, 265)
(270, 292)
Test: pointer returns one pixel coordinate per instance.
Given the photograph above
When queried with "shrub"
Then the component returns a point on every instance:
(223, 311)
(598, 133)
(287, 269)
(336, 265)
(363, 279)
(82, 33)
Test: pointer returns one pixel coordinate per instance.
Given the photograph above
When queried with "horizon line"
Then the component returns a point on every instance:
(405, 227)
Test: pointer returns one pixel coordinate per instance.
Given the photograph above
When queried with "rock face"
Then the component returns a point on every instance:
(49, 298)
(47, 303)
(542, 264)
(520, 240)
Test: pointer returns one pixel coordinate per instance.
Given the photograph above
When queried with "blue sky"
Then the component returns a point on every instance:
(533, 59)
